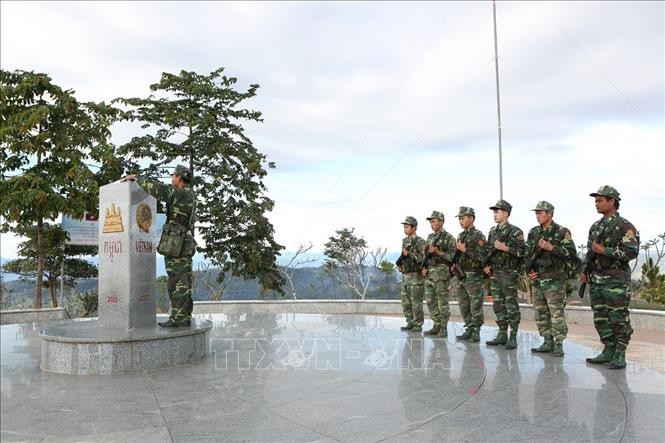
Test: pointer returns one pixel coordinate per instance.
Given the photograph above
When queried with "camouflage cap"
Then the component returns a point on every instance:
(606, 191)
(502, 204)
(437, 214)
(544, 206)
(184, 172)
(466, 210)
(410, 221)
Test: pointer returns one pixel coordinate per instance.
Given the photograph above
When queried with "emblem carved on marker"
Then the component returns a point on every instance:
(112, 220)
(144, 217)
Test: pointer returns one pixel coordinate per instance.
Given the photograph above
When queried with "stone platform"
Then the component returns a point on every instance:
(272, 377)
(86, 348)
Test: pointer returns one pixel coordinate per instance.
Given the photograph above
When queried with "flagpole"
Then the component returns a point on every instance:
(498, 100)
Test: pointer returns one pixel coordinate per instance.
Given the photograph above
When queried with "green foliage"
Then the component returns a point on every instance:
(196, 119)
(55, 252)
(89, 303)
(387, 268)
(653, 283)
(47, 137)
(524, 287)
(388, 282)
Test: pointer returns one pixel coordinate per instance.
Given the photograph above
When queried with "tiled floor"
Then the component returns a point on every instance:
(345, 378)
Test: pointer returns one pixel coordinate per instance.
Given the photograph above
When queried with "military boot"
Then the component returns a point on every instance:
(500, 339)
(547, 346)
(557, 351)
(475, 335)
(618, 360)
(465, 335)
(435, 330)
(416, 329)
(512, 340)
(604, 357)
(407, 327)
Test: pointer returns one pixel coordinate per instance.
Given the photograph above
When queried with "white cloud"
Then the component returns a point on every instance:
(356, 86)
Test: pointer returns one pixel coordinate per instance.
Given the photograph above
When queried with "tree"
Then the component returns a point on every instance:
(56, 254)
(347, 262)
(216, 288)
(388, 280)
(47, 137)
(294, 263)
(652, 281)
(196, 119)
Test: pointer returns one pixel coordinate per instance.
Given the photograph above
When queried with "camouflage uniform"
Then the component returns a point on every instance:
(180, 205)
(549, 291)
(503, 281)
(610, 277)
(437, 281)
(413, 284)
(470, 294)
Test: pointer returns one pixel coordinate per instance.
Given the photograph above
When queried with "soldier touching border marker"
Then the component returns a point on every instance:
(177, 234)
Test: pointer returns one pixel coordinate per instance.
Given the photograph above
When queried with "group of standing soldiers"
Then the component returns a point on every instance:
(549, 258)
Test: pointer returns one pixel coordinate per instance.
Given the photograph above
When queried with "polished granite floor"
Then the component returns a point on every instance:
(334, 378)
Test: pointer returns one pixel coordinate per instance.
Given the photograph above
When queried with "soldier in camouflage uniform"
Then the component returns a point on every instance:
(508, 241)
(549, 247)
(179, 200)
(473, 249)
(441, 248)
(613, 243)
(413, 284)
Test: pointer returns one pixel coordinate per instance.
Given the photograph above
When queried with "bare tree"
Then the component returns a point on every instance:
(347, 262)
(213, 284)
(288, 270)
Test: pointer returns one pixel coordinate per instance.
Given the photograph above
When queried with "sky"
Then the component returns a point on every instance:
(374, 111)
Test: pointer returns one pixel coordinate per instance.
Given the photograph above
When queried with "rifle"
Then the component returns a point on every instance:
(403, 257)
(429, 255)
(590, 257)
(492, 253)
(455, 268)
(534, 256)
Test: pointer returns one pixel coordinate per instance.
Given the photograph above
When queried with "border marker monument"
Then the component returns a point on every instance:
(125, 336)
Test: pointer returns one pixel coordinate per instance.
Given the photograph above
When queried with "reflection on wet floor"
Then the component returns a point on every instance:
(305, 377)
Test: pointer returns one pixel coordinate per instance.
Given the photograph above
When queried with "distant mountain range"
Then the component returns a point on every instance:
(309, 283)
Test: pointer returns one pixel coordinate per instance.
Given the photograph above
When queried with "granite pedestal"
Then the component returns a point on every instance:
(125, 337)
(85, 348)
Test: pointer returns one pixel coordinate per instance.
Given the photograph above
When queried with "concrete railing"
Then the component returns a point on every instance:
(640, 318)
(13, 316)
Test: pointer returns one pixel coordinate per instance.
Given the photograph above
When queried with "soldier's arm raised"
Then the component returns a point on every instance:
(158, 190)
